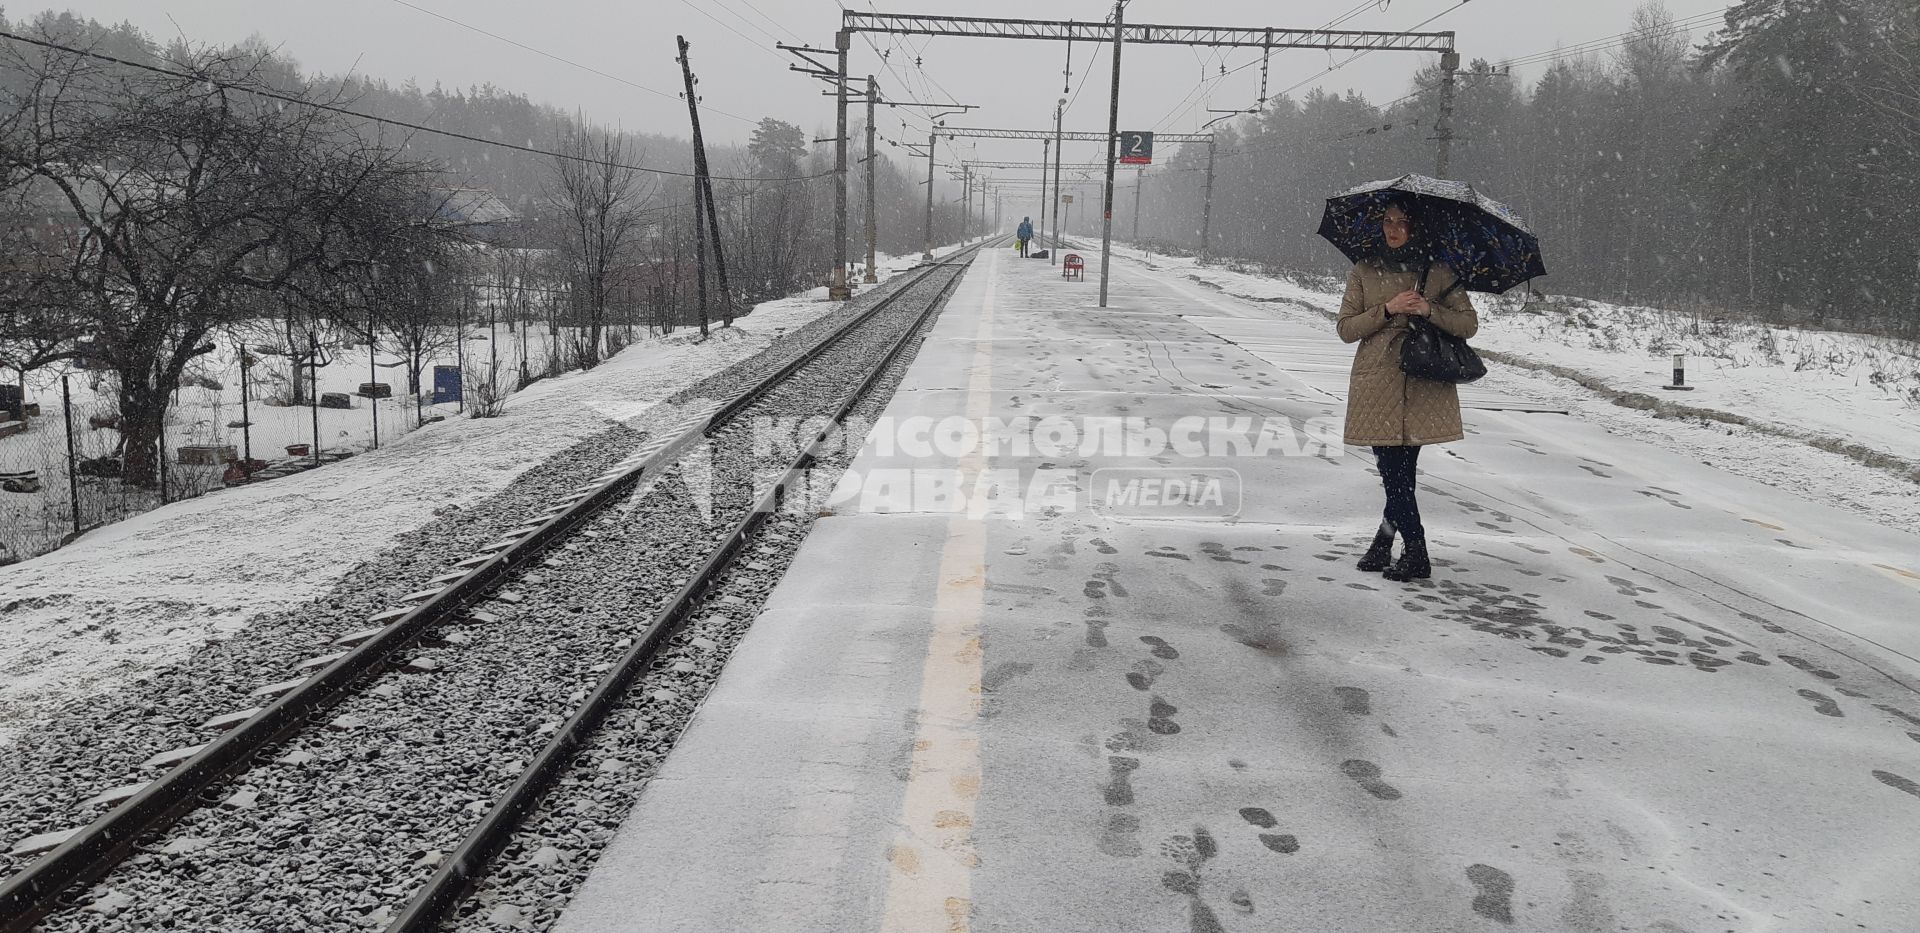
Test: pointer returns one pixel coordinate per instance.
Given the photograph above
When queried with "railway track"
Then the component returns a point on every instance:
(660, 571)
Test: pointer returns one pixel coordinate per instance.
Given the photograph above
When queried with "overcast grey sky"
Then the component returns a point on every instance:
(743, 78)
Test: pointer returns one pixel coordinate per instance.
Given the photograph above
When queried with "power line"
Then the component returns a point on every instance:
(1673, 27)
(777, 24)
(563, 61)
(728, 27)
(750, 24)
(331, 108)
(1616, 41)
(1687, 24)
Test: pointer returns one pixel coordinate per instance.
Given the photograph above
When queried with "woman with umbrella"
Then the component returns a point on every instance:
(1418, 244)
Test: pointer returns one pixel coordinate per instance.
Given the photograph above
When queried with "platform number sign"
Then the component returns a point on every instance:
(1136, 148)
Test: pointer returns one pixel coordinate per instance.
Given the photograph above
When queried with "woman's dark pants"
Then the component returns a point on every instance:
(1397, 475)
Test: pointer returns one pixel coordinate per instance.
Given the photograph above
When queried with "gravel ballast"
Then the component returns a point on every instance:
(347, 819)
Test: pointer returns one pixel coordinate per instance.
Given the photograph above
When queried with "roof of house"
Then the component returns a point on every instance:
(462, 206)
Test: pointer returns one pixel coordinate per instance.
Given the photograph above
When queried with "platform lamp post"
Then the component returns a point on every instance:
(1059, 150)
(936, 121)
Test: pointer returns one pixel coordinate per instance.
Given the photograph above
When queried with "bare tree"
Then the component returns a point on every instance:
(421, 297)
(185, 187)
(597, 201)
(38, 324)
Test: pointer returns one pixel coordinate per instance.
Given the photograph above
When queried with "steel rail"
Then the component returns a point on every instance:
(464, 865)
(95, 849)
(733, 407)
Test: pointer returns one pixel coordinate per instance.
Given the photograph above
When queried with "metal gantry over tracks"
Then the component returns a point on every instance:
(1120, 33)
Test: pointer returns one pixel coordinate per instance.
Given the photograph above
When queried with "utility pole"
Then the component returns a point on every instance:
(933, 136)
(1206, 206)
(839, 290)
(1113, 141)
(1139, 182)
(873, 159)
(699, 192)
(873, 97)
(985, 183)
(1059, 147)
(704, 176)
(966, 204)
(1443, 127)
(700, 255)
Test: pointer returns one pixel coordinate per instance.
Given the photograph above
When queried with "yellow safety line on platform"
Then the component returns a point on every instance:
(930, 883)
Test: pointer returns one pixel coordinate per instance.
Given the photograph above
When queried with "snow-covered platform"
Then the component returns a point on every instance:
(1638, 693)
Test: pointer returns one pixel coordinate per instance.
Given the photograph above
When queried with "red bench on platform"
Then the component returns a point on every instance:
(1073, 267)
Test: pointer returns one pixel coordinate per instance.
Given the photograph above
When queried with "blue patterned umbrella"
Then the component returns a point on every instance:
(1483, 241)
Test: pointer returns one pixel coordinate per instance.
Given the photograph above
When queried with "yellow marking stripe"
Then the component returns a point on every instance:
(929, 883)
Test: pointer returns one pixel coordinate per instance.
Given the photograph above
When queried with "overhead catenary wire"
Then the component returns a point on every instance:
(385, 121)
(1336, 22)
(1363, 54)
(1200, 88)
(928, 83)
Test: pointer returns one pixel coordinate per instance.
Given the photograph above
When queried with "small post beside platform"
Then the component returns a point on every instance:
(1679, 383)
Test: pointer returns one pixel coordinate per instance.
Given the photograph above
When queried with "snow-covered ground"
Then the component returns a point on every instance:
(1814, 385)
(208, 410)
(1639, 692)
(136, 595)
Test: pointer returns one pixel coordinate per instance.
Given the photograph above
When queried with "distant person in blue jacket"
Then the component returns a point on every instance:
(1023, 236)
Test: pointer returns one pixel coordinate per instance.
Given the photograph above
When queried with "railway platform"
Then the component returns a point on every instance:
(1078, 645)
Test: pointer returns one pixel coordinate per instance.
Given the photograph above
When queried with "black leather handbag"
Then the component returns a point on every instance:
(1431, 353)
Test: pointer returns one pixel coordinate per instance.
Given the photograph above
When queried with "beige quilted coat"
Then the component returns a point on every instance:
(1384, 407)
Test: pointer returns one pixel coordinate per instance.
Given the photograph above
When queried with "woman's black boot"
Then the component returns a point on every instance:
(1413, 564)
(1381, 553)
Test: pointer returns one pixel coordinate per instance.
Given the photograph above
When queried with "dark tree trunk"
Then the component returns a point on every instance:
(143, 413)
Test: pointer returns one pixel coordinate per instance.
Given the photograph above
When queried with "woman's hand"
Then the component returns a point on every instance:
(1409, 302)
